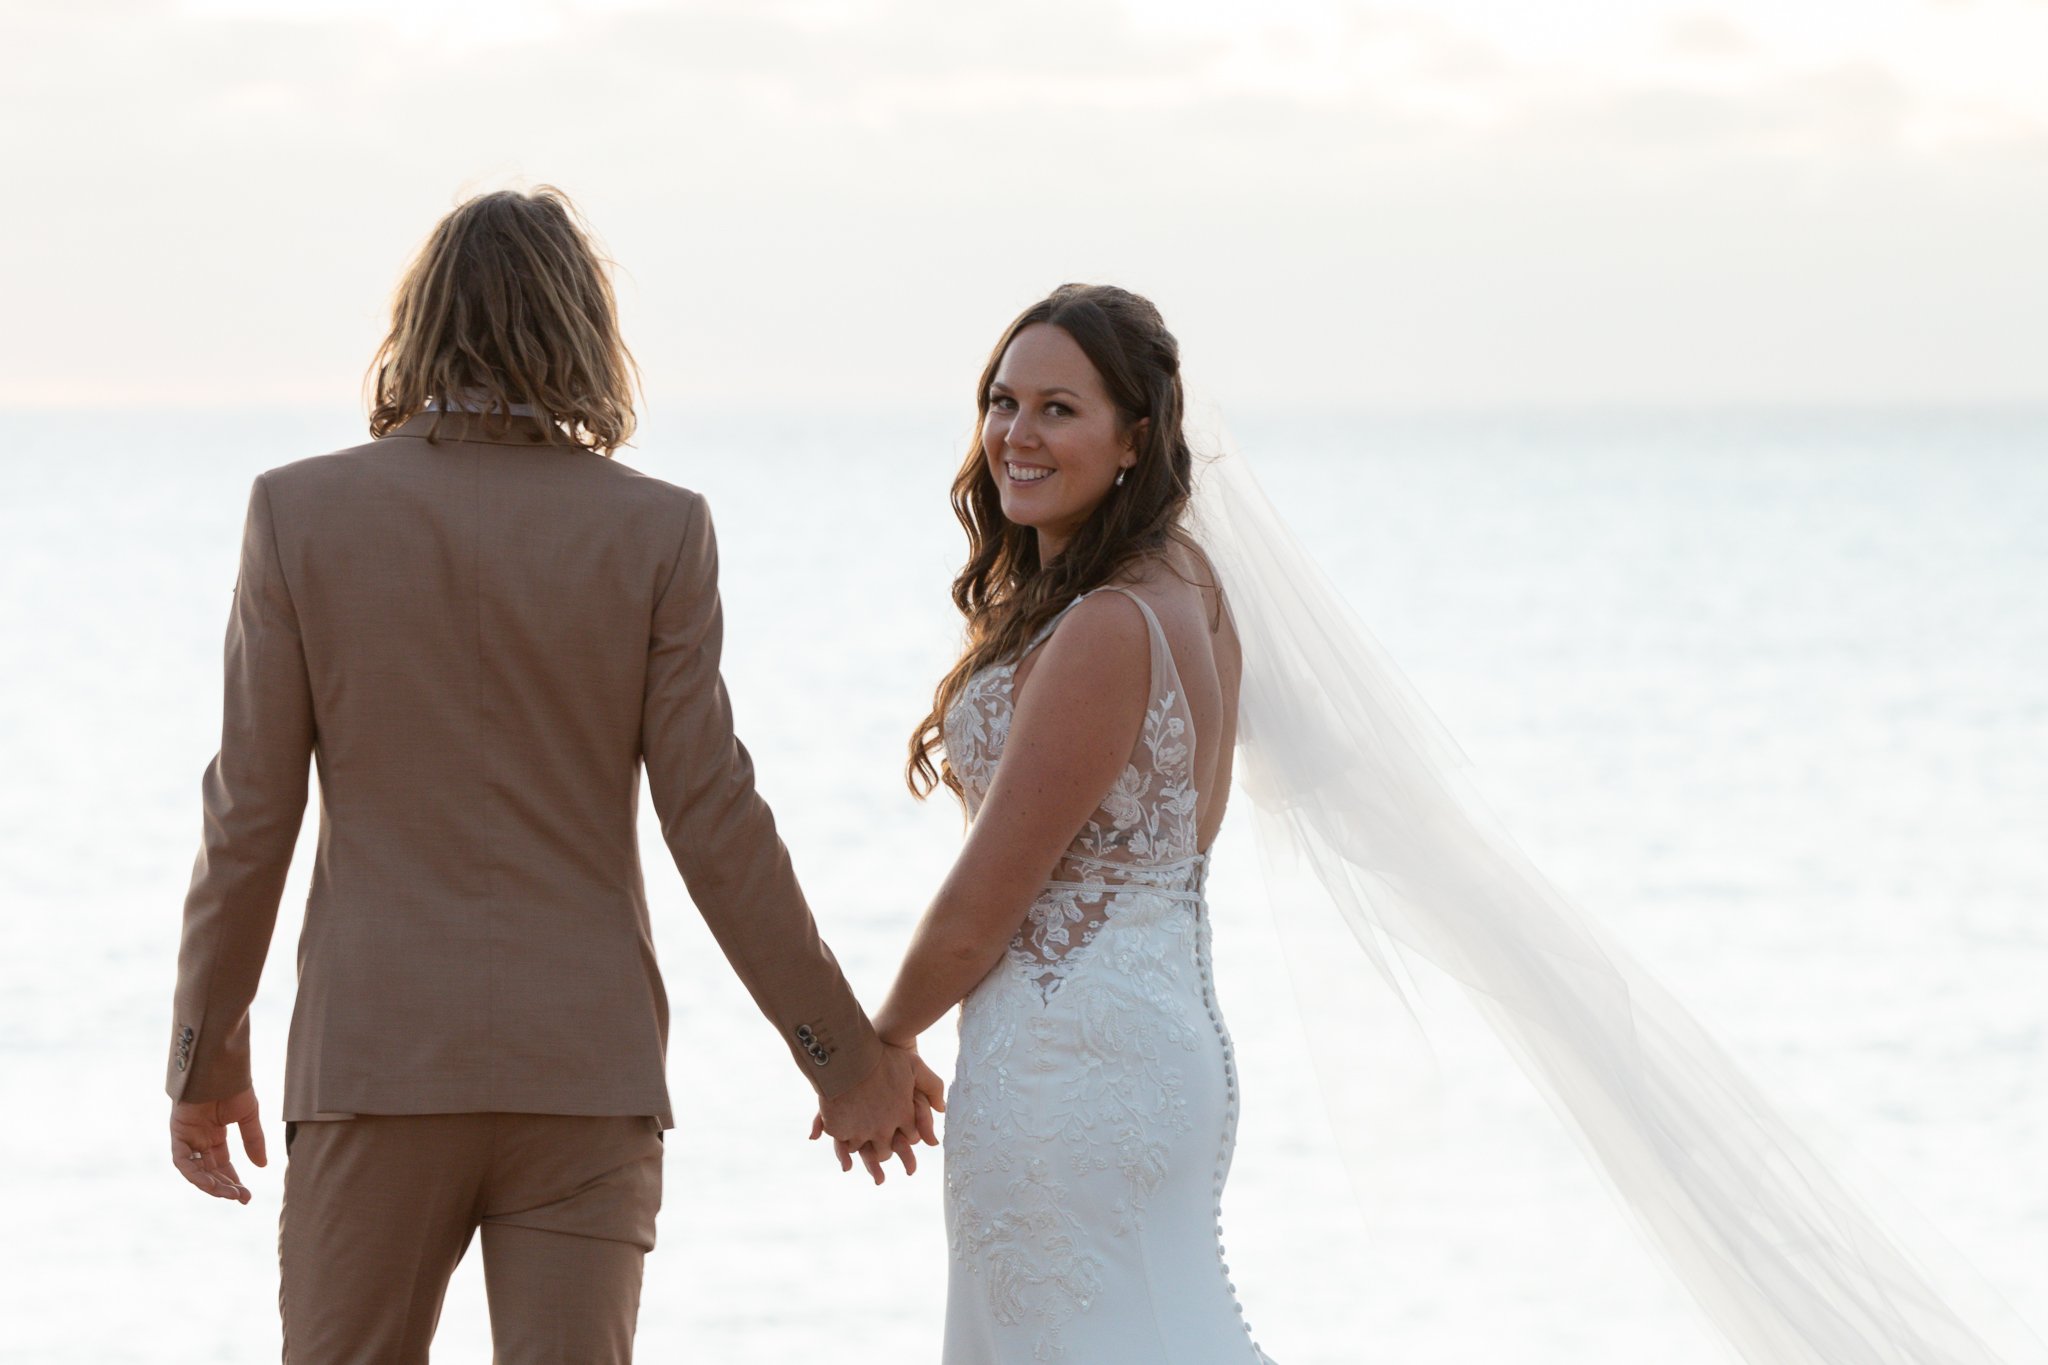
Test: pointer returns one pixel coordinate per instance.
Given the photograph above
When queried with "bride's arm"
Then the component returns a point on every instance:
(1076, 721)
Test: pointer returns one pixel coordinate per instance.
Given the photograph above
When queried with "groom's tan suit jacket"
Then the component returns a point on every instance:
(478, 641)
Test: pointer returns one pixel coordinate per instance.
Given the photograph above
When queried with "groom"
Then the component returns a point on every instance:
(479, 627)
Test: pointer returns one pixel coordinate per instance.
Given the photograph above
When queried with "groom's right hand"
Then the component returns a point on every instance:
(889, 1111)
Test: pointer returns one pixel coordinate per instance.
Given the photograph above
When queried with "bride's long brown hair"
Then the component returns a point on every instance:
(1002, 590)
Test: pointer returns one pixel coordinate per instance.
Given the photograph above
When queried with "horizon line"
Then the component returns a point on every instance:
(1263, 409)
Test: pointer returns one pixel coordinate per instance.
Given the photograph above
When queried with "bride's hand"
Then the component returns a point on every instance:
(903, 1144)
(840, 1148)
(929, 1092)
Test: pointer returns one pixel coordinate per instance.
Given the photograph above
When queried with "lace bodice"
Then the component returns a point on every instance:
(1142, 835)
(1094, 1105)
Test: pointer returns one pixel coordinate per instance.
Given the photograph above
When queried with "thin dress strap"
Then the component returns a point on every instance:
(1165, 675)
(1165, 679)
(1163, 667)
(1151, 621)
(1045, 631)
(1164, 684)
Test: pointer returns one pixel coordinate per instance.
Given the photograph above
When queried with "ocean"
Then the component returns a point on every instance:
(1765, 691)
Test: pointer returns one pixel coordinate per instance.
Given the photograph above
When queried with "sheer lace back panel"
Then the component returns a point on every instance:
(1140, 841)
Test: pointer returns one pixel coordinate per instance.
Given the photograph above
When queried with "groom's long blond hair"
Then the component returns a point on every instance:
(508, 302)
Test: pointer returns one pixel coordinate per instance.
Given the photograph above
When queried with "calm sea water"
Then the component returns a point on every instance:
(1766, 692)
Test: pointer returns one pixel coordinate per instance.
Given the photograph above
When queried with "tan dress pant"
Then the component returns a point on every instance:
(378, 1210)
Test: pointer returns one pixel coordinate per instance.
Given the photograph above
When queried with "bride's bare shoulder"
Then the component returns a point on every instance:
(1158, 570)
(1179, 581)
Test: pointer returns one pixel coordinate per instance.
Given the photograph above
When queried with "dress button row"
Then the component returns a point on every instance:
(1230, 1116)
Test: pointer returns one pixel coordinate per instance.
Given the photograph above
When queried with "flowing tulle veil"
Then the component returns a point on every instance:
(1363, 812)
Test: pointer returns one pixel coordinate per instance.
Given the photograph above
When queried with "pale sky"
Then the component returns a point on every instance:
(840, 203)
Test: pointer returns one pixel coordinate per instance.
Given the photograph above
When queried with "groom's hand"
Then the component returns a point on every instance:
(888, 1112)
(199, 1143)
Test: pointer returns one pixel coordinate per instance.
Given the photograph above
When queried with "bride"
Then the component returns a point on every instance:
(1090, 729)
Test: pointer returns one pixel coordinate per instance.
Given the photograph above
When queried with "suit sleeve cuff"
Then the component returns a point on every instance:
(836, 1058)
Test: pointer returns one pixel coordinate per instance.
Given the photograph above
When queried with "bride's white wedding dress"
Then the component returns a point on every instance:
(1094, 1105)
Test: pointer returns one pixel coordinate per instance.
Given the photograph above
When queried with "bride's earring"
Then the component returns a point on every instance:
(1120, 476)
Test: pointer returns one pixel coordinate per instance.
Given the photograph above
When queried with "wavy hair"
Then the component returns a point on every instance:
(508, 302)
(1003, 591)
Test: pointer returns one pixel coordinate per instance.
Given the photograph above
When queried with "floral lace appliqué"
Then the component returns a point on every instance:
(1096, 1086)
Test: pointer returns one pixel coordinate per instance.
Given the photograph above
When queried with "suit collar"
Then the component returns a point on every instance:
(475, 427)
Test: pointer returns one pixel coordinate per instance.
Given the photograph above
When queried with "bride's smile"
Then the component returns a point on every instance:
(1053, 438)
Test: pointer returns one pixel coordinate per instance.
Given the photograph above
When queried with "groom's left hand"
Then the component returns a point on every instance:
(199, 1143)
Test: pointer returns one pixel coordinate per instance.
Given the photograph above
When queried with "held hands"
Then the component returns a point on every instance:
(888, 1112)
(199, 1143)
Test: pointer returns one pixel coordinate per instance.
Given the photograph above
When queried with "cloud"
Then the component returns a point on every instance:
(1708, 36)
(221, 203)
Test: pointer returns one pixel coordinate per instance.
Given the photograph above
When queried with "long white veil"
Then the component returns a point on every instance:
(1355, 784)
